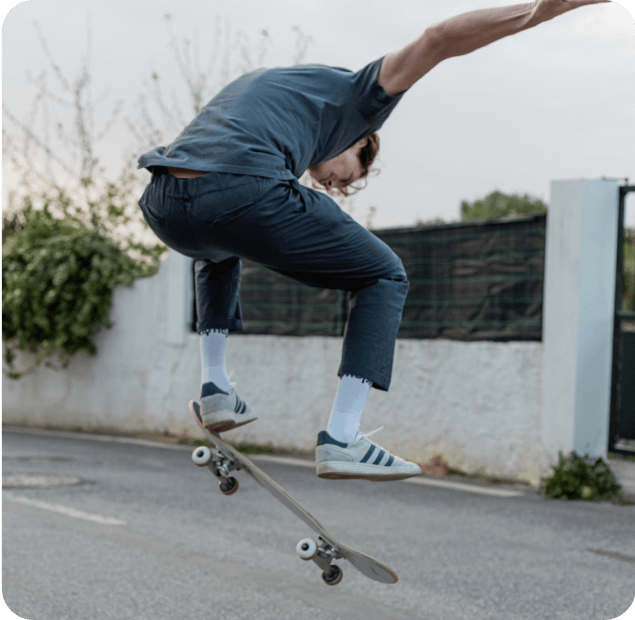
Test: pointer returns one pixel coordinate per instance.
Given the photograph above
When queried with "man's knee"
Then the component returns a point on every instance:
(398, 272)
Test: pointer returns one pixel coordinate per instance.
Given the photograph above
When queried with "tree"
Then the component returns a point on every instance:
(498, 204)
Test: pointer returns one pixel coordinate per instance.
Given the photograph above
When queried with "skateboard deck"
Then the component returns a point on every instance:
(322, 552)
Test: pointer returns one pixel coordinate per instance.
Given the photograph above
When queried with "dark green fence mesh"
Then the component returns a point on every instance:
(476, 281)
(275, 304)
(468, 281)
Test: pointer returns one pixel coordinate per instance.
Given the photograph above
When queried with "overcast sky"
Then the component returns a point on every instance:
(554, 102)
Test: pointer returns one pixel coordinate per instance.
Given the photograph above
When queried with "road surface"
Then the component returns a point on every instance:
(132, 530)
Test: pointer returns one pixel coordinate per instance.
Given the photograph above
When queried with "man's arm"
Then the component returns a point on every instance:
(463, 34)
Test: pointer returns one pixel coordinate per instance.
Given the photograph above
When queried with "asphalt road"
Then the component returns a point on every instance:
(138, 532)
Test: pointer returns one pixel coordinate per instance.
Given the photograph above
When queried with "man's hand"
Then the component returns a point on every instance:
(544, 10)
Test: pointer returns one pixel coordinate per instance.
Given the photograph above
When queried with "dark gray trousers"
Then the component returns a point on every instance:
(298, 232)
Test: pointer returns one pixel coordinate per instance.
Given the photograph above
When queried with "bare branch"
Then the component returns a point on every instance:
(113, 119)
(39, 143)
(54, 66)
(302, 44)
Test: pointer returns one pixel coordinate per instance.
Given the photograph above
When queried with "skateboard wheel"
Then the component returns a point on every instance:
(201, 456)
(306, 549)
(229, 486)
(333, 576)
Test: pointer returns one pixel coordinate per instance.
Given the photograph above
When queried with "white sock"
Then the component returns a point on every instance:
(347, 408)
(213, 343)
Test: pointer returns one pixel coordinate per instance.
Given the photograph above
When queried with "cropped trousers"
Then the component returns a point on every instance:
(219, 218)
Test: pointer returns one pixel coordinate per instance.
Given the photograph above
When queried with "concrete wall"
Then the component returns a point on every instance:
(480, 405)
(136, 380)
(477, 404)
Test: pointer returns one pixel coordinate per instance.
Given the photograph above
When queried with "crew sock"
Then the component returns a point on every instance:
(347, 409)
(213, 343)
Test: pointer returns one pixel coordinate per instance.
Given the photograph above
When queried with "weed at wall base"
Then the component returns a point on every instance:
(581, 477)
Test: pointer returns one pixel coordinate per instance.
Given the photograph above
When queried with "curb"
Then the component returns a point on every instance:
(469, 487)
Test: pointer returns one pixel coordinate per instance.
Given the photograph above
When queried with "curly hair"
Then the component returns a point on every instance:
(367, 156)
(368, 153)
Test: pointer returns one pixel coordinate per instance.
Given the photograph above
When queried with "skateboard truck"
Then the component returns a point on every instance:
(220, 465)
(322, 553)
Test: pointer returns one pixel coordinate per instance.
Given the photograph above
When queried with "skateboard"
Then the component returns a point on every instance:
(323, 551)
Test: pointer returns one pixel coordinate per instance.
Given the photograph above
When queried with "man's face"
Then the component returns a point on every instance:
(338, 173)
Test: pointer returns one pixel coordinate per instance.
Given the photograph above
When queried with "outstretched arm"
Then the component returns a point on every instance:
(463, 34)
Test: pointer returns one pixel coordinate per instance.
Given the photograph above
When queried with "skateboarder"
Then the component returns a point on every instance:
(228, 187)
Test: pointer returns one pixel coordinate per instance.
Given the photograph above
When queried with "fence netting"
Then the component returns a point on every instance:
(468, 281)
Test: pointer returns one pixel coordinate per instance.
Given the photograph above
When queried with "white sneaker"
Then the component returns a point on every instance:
(361, 459)
(222, 411)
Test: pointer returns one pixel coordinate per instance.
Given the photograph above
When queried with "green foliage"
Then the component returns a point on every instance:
(59, 270)
(577, 477)
(498, 204)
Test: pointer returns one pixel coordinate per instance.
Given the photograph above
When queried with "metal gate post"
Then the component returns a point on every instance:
(617, 369)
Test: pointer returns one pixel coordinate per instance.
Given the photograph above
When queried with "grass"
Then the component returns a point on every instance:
(622, 457)
(480, 477)
(243, 448)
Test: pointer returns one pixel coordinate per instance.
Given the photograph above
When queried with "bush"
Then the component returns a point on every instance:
(58, 276)
(577, 477)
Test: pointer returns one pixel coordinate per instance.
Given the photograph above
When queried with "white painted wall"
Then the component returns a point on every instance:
(137, 379)
(480, 404)
(477, 404)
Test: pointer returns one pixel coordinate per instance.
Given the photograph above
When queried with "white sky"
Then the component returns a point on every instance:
(554, 102)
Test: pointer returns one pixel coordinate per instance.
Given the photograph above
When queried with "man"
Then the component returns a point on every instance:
(228, 187)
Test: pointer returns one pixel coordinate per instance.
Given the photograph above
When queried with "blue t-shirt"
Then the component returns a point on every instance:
(276, 123)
